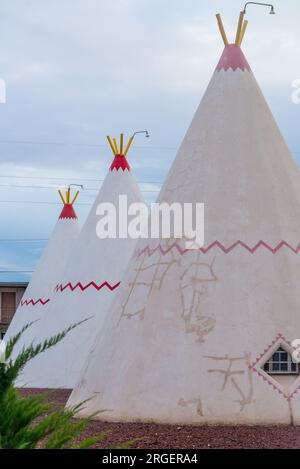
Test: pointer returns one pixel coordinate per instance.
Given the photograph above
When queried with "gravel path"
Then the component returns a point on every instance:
(153, 436)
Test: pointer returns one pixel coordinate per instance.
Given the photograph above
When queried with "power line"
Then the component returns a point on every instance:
(41, 202)
(68, 179)
(92, 145)
(77, 144)
(23, 240)
(20, 186)
(88, 189)
(16, 271)
(38, 202)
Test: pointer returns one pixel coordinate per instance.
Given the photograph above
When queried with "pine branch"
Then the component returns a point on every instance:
(32, 422)
(13, 340)
(10, 370)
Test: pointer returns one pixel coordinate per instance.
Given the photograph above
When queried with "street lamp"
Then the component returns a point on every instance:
(272, 9)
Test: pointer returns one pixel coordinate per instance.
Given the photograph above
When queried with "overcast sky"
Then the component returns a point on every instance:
(76, 70)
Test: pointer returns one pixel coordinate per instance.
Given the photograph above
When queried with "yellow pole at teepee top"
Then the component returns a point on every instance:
(62, 197)
(74, 198)
(119, 150)
(243, 31)
(222, 29)
(116, 146)
(67, 198)
(111, 144)
(239, 28)
(121, 143)
(128, 145)
(68, 195)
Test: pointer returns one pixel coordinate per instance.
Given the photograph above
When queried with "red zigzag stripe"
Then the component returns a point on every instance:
(34, 302)
(225, 250)
(61, 288)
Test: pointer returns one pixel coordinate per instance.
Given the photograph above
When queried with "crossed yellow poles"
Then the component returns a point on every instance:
(67, 198)
(118, 150)
(240, 33)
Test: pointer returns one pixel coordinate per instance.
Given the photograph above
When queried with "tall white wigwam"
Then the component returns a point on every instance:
(90, 281)
(203, 336)
(39, 293)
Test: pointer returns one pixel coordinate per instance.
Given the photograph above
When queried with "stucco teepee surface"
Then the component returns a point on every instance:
(91, 279)
(39, 293)
(186, 336)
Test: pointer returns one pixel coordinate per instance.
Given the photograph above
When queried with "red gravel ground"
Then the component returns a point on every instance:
(153, 436)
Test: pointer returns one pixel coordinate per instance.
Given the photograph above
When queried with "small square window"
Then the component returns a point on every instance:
(281, 363)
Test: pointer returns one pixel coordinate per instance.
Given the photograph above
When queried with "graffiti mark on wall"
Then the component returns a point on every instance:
(146, 279)
(196, 284)
(236, 375)
(194, 281)
(185, 174)
(197, 403)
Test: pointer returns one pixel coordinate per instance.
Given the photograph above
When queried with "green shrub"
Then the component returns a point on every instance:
(32, 422)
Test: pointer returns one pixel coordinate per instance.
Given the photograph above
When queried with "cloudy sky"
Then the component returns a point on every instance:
(76, 70)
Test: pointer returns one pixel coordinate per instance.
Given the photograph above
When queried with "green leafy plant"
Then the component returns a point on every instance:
(32, 422)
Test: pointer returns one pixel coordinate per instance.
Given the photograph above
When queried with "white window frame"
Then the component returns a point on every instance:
(289, 363)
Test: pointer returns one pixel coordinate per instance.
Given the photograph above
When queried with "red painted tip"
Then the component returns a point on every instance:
(233, 58)
(67, 212)
(120, 162)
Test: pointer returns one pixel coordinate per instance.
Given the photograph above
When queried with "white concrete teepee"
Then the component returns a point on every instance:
(90, 281)
(203, 336)
(39, 293)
